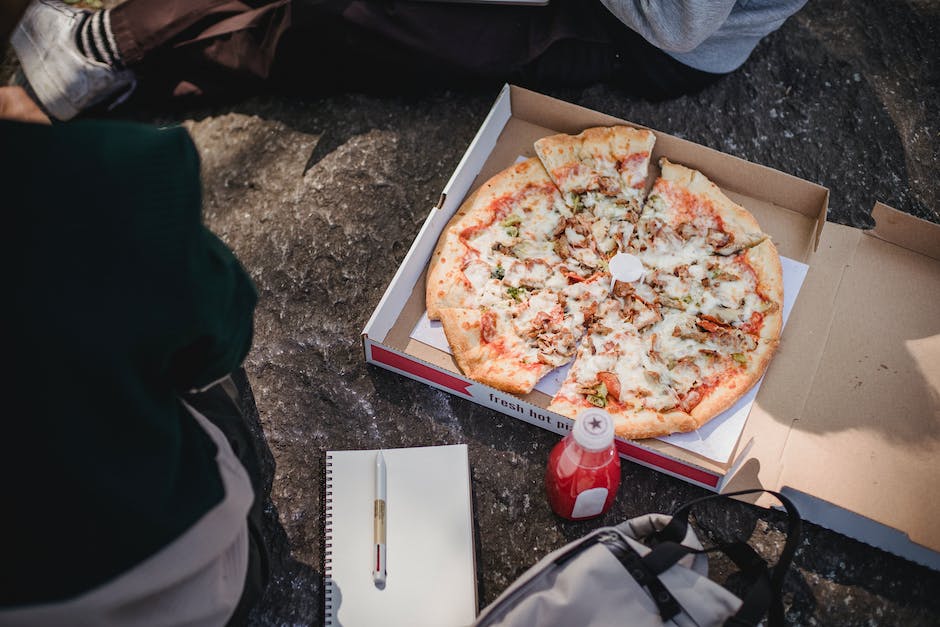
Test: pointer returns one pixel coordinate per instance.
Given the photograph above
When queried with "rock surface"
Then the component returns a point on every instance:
(321, 198)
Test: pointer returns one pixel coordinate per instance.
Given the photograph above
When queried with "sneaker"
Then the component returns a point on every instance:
(65, 81)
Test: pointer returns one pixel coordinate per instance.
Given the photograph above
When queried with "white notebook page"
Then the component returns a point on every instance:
(431, 571)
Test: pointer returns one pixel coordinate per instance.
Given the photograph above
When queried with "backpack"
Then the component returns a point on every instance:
(648, 571)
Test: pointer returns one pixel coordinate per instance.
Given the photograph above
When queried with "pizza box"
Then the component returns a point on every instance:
(847, 418)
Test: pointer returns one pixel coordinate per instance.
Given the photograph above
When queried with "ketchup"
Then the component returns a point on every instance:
(583, 471)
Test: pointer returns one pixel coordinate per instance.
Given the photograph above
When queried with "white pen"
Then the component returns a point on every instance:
(378, 521)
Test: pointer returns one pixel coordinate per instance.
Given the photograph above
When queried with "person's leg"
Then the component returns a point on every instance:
(655, 75)
(199, 47)
(392, 45)
(222, 404)
(141, 27)
(74, 59)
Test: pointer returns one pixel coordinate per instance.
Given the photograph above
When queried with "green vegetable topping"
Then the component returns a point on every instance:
(498, 272)
(687, 299)
(511, 220)
(598, 401)
(599, 398)
(575, 203)
(740, 358)
(512, 231)
(515, 292)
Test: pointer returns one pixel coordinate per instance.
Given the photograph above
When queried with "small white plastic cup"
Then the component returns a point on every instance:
(625, 267)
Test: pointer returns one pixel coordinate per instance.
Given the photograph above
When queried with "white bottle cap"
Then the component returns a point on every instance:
(593, 430)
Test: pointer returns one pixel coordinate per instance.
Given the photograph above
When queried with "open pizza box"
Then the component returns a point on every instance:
(846, 420)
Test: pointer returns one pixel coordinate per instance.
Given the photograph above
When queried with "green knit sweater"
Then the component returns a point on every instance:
(118, 298)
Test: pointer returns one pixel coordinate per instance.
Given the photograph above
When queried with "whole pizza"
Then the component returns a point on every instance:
(521, 283)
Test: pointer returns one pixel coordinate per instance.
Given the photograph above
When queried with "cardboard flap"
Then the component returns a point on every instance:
(905, 230)
(868, 435)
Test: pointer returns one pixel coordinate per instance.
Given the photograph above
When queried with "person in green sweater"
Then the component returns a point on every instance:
(132, 481)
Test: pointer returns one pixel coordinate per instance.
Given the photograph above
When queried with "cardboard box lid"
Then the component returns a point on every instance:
(856, 421)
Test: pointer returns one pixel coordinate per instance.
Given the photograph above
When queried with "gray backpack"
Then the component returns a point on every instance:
(649, 571)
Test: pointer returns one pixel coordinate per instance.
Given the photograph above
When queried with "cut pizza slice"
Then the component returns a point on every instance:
(687, 218)
(707, 365)
(616, 370)
(510, 344)
(487, 351)
(743, 291)
(603, 170)
(672, 376)
(672, 351)
(502, 238)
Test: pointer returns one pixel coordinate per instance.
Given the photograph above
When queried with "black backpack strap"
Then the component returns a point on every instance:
(765, 592)
(641, 572)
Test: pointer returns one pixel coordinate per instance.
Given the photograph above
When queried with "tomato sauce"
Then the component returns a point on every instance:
(754, 325)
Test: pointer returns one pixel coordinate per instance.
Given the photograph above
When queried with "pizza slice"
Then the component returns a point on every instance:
(707, 365)
(672, 376)
(687, 218)
(742, 291)
(486, 352)
(675, 349)
(616, 370)
(602, 171)
(499, 242)
(511, 343)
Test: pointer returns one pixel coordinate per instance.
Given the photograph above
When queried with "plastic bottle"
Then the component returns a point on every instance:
(583, 471)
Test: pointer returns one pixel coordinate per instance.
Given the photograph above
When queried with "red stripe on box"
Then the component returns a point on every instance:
(420, 370)
(670, 465)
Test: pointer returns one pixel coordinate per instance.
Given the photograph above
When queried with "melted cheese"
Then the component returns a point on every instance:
(653, 338)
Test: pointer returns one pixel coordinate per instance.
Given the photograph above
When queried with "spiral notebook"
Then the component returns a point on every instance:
(431, 571)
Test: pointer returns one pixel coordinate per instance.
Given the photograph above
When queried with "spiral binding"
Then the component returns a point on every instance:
(328, 548)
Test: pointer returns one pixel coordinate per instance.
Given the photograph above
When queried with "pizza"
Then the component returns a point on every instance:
(521, 283)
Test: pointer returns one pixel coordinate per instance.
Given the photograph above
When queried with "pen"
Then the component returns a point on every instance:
(379, 565)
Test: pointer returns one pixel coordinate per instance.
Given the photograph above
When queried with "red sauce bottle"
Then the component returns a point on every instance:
(583, 471)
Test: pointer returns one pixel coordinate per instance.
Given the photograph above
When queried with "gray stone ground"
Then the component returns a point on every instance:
(321, 198)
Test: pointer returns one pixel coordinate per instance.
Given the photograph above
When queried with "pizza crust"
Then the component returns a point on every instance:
(631, 424)
(736, 220)
(609, 159)
(498, 363)
(765, 261)
(446, 285)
